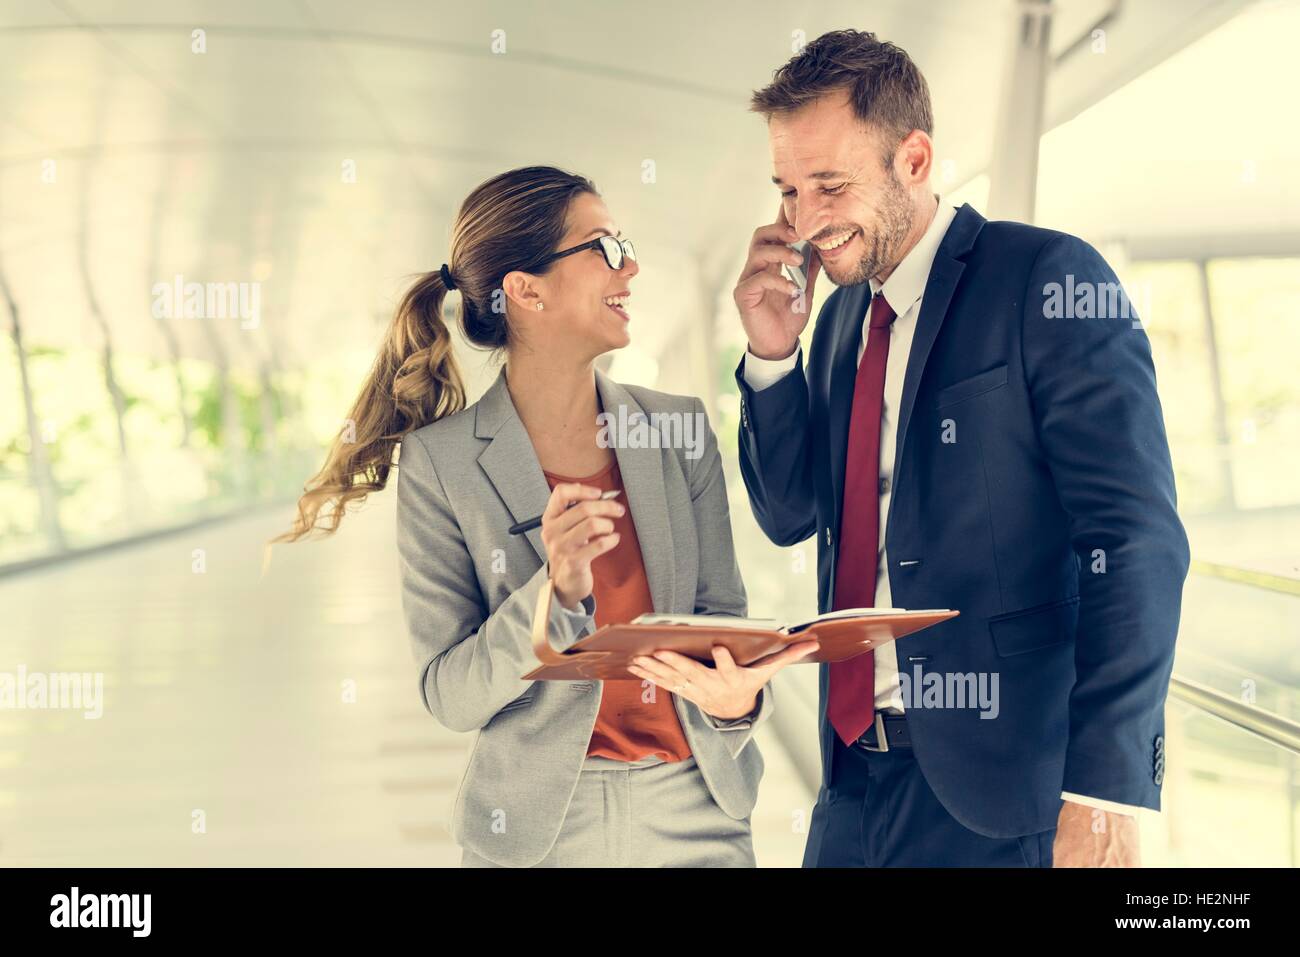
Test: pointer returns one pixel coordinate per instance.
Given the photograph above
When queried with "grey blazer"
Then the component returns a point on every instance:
(469, 590)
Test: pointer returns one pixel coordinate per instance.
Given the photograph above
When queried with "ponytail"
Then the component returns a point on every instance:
(415, 381)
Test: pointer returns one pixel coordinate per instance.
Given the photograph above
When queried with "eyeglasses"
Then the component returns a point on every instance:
(613, 248)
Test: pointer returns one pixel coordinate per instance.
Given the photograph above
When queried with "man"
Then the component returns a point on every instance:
(961, 437)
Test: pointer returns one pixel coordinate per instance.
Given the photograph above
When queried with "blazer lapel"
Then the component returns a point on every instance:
(510, 461)
(944, 275)
(511, 465)
(642, 469)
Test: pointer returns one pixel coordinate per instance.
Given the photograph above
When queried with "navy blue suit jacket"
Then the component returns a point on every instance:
(1032, 491)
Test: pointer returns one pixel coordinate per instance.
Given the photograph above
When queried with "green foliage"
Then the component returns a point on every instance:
(44, 352)
(207, 418)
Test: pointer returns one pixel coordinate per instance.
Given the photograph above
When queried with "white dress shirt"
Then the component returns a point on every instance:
(902, 290)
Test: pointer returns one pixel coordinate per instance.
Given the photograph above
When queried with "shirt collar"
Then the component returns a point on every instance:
(907, 282)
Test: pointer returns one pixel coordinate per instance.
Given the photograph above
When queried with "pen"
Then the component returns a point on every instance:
(533, 523)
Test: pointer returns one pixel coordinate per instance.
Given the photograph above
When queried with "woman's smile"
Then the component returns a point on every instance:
(618, 304)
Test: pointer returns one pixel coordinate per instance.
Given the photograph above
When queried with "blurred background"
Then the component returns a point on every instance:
(306, 158)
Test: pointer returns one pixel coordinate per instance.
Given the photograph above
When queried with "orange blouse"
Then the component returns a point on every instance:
(636, 719)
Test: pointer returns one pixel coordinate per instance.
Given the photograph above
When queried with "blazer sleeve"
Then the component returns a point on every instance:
(721, 590)
(1092, 388)
(775, 458)
(470, 660)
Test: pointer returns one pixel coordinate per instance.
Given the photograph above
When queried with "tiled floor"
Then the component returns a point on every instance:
(247, 719)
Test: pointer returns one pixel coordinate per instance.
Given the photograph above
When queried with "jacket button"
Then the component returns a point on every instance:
(884, 485)
(828, 534)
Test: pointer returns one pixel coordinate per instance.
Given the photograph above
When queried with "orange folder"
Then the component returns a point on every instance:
(605, 653)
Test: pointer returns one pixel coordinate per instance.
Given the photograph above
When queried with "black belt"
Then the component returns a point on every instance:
(888, 731)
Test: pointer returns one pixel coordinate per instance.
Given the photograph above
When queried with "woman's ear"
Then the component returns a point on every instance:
(521, 289)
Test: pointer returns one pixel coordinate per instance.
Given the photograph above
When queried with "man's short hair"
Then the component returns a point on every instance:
(884, 86)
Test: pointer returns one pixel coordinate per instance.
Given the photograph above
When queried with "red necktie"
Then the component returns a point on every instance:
(851, 706)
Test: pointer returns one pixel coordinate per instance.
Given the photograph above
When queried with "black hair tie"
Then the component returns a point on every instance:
(446, 277)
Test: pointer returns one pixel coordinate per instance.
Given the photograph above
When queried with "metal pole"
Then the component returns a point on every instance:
(1013, 172)
(1223, 442)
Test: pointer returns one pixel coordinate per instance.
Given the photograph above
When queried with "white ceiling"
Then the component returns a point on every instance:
(226, 166)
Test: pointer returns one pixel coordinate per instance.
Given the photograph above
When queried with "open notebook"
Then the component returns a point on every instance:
(772, 624)
(606, 652)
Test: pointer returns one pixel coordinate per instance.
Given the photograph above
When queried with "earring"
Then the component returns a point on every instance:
(539, 307)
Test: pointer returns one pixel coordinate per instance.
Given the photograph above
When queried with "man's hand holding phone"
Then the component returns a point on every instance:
(773, 309)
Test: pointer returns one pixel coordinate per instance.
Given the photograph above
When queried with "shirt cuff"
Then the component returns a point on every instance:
(761, 373)
(572, 625)
(1113, 806)
(744, 721)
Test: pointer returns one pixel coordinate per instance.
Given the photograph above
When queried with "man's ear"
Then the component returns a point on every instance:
(521, 289)
(914, 157)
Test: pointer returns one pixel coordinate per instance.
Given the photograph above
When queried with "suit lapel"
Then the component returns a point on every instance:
(939, 288)
(642, 470)
(511, 465)
(509, 461)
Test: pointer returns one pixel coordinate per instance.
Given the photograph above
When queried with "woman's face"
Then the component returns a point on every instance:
(580, 290)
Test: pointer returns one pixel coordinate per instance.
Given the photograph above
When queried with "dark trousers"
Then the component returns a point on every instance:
(879, 812)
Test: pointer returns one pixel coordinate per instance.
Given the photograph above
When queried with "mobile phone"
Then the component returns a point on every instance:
(797, 274)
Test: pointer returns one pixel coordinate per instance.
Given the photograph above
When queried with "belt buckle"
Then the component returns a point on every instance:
(882, 739)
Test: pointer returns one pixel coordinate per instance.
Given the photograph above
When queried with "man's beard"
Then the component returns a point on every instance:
(880, 246)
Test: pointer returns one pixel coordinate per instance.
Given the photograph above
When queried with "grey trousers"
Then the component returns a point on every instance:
(648, 813)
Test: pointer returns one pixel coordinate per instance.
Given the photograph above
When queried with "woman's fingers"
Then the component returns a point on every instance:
(687, 668)
(724, 663)
(571, 518)
(771, 664)
(658, 672)
(575, 535)
(582, 532)
(564, 494)
(593, 549)
(569, 504)
(691, 692)
(672, 666)
(672, 671)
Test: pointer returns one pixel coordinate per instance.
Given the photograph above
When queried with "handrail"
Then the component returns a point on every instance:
(790, 729)
(1246, 576)
(1273, 728)
(144, 537)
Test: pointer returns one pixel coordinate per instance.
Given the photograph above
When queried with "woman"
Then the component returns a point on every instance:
(562, 773)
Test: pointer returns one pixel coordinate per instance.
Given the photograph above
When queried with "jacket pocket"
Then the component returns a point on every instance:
(523, 701)
(1032, 629)
(973, 386)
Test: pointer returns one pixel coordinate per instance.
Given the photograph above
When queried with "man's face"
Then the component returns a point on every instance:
(838, 191)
